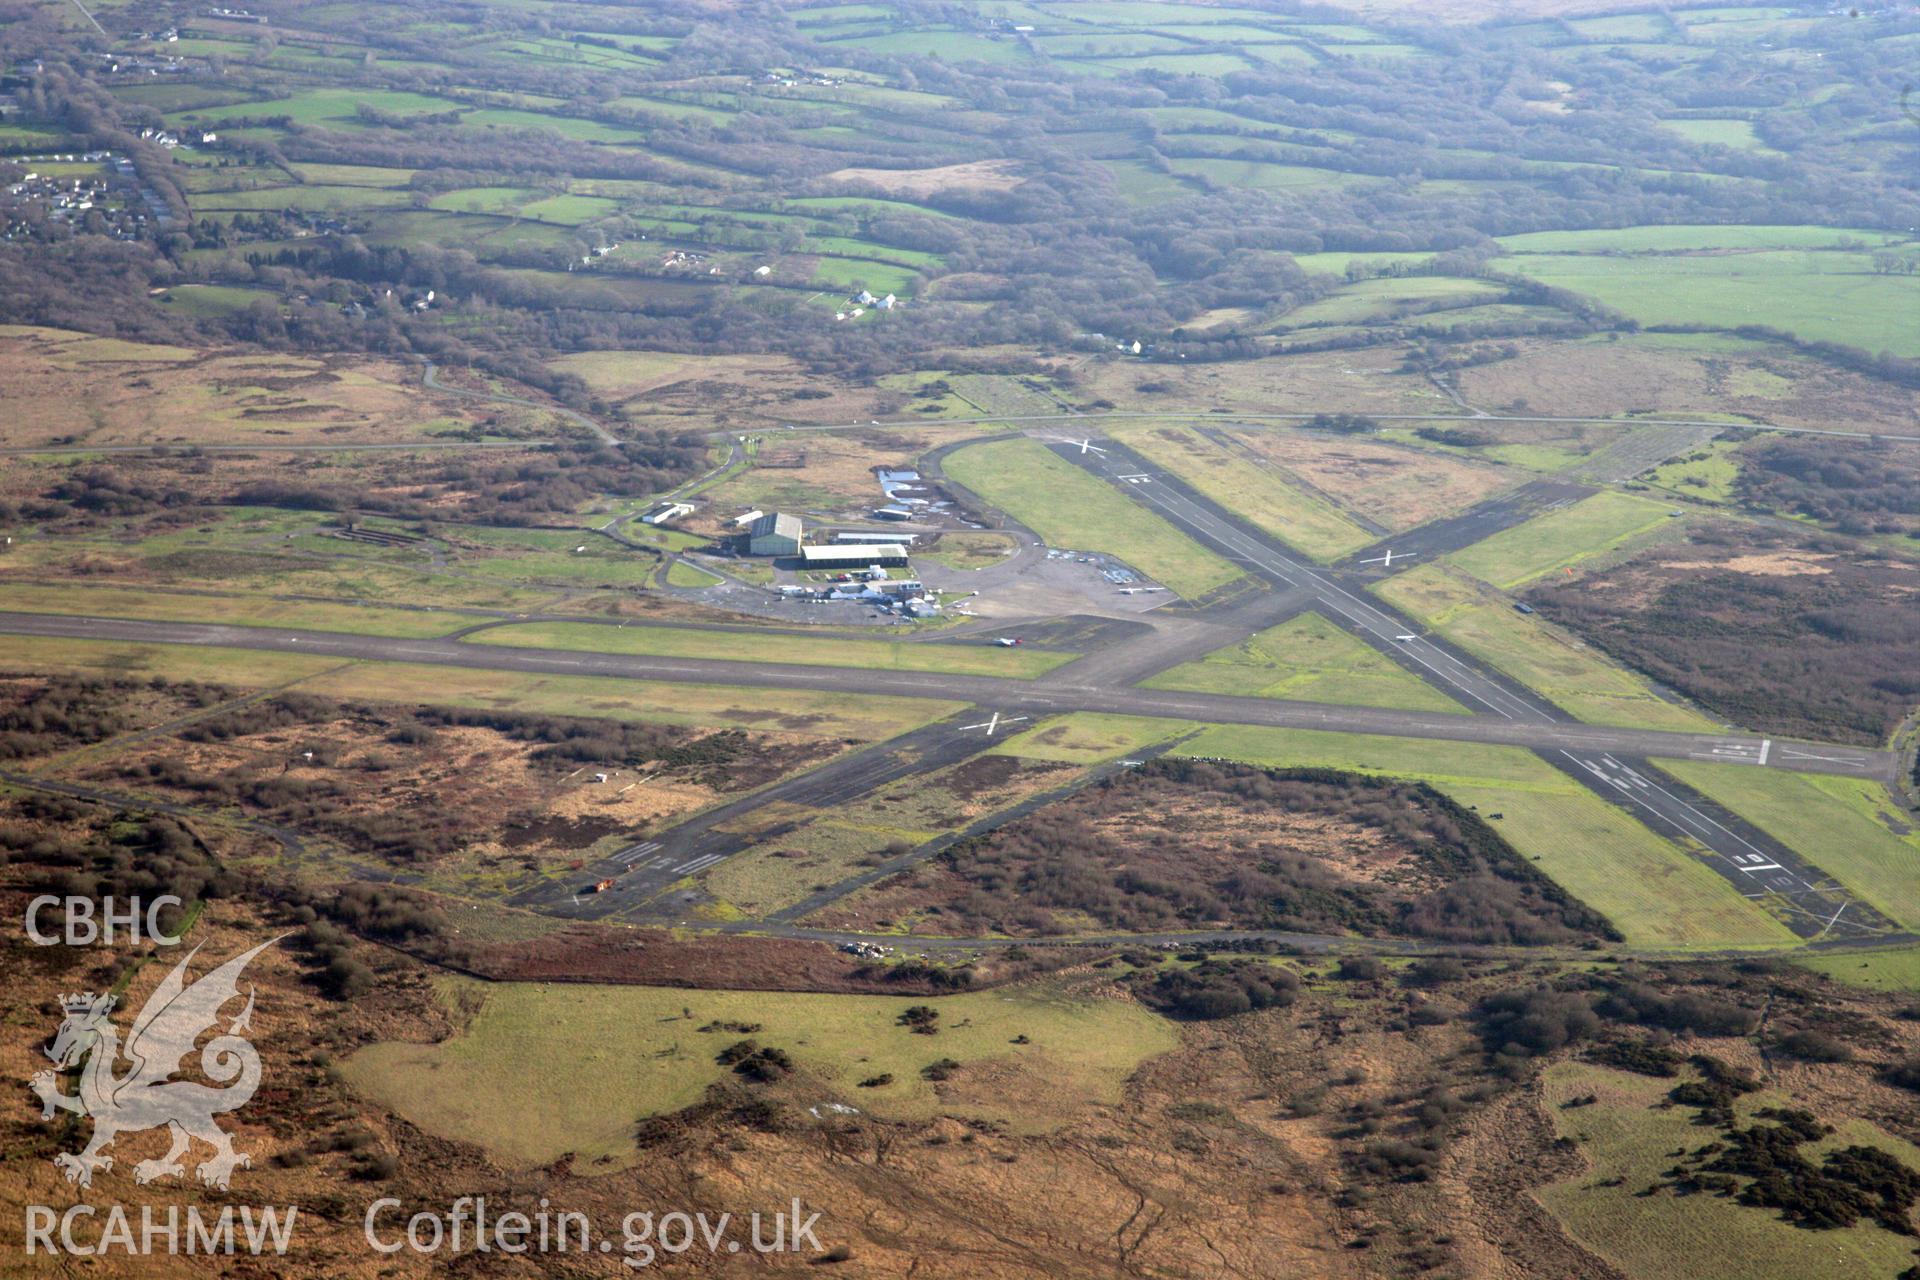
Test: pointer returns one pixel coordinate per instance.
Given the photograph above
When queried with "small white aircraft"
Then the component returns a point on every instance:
(992, 724)
(1386, 561)
(1007, 642)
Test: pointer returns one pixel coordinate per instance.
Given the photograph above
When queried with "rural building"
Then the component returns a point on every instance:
(774, 534)
(847, 555)
(665, 512)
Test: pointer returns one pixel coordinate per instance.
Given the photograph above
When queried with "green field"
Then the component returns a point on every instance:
(1246, 486)
(1628, 1137)
(1090, 737)
(1718, 132)
(770, 647)
(1578, 678)
(1895, 969)
(1307, 659)
(1382, 297)
(1559, 539)
(232, 611)
(1655, 893)
(682, 574)
(1670, 239)
(1818, 295)
(1070, 508)
(861, 717)
(238, 667)
(1707, 475)
(1844, 826)
(538, 1071)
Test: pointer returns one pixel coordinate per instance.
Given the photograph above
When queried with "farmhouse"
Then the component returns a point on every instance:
(774, 534)
(849, 554)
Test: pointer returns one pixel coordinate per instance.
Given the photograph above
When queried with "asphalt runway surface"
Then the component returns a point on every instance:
(644, 871)
(1054, 695)
(1805, 893)
(1419, 546)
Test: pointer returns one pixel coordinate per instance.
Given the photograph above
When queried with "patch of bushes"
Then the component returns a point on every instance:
(1217, 989)
(758, 1063)
(1464, 884)
(1642, 1057)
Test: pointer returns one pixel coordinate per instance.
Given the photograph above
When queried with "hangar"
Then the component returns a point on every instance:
(774, 534)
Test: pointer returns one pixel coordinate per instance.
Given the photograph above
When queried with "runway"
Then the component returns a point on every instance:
(1009, 697)
(1814, 905)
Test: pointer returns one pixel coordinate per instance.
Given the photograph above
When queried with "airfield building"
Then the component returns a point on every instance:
(851, 555)
(774, 534)
(873, 535)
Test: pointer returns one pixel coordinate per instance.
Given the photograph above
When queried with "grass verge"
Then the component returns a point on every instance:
(1070, 508)
(1307, 659)
(747, 646)
(1243, 485)
(1579, 679)
(1847, 827)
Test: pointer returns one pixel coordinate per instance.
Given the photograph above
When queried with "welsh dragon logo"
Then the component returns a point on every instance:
(145, 1096)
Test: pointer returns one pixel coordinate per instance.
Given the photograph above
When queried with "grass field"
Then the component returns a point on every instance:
(1070, 508)
(1090, 737)
(1242, 485)
(234, 611)
(1654, 892)
(1578, 678)
(1668, 239)
(1307, 659)
(1844, 826)
(1819, 295)
(1706, 475)
(1895, 969)
(1629, 1137)
(1559, 539)
(682, 574)
(1720, 132)
(1375, 299)
(970, 550)
(866, 717)
(541, 1071)
(748, 646)
(240, 668)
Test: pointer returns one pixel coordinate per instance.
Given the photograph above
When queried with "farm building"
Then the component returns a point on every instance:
(774, 534)
(847, 555)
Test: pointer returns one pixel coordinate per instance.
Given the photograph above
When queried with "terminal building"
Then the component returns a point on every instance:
(774, 534)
